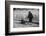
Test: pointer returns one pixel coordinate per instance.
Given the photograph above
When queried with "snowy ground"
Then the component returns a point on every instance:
(27, 24)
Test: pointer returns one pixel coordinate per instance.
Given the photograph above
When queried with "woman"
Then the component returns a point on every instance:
(30, 16)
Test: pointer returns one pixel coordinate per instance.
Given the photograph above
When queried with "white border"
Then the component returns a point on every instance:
(28, 28)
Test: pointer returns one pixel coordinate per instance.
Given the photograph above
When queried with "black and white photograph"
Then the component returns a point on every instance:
(25, 17)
